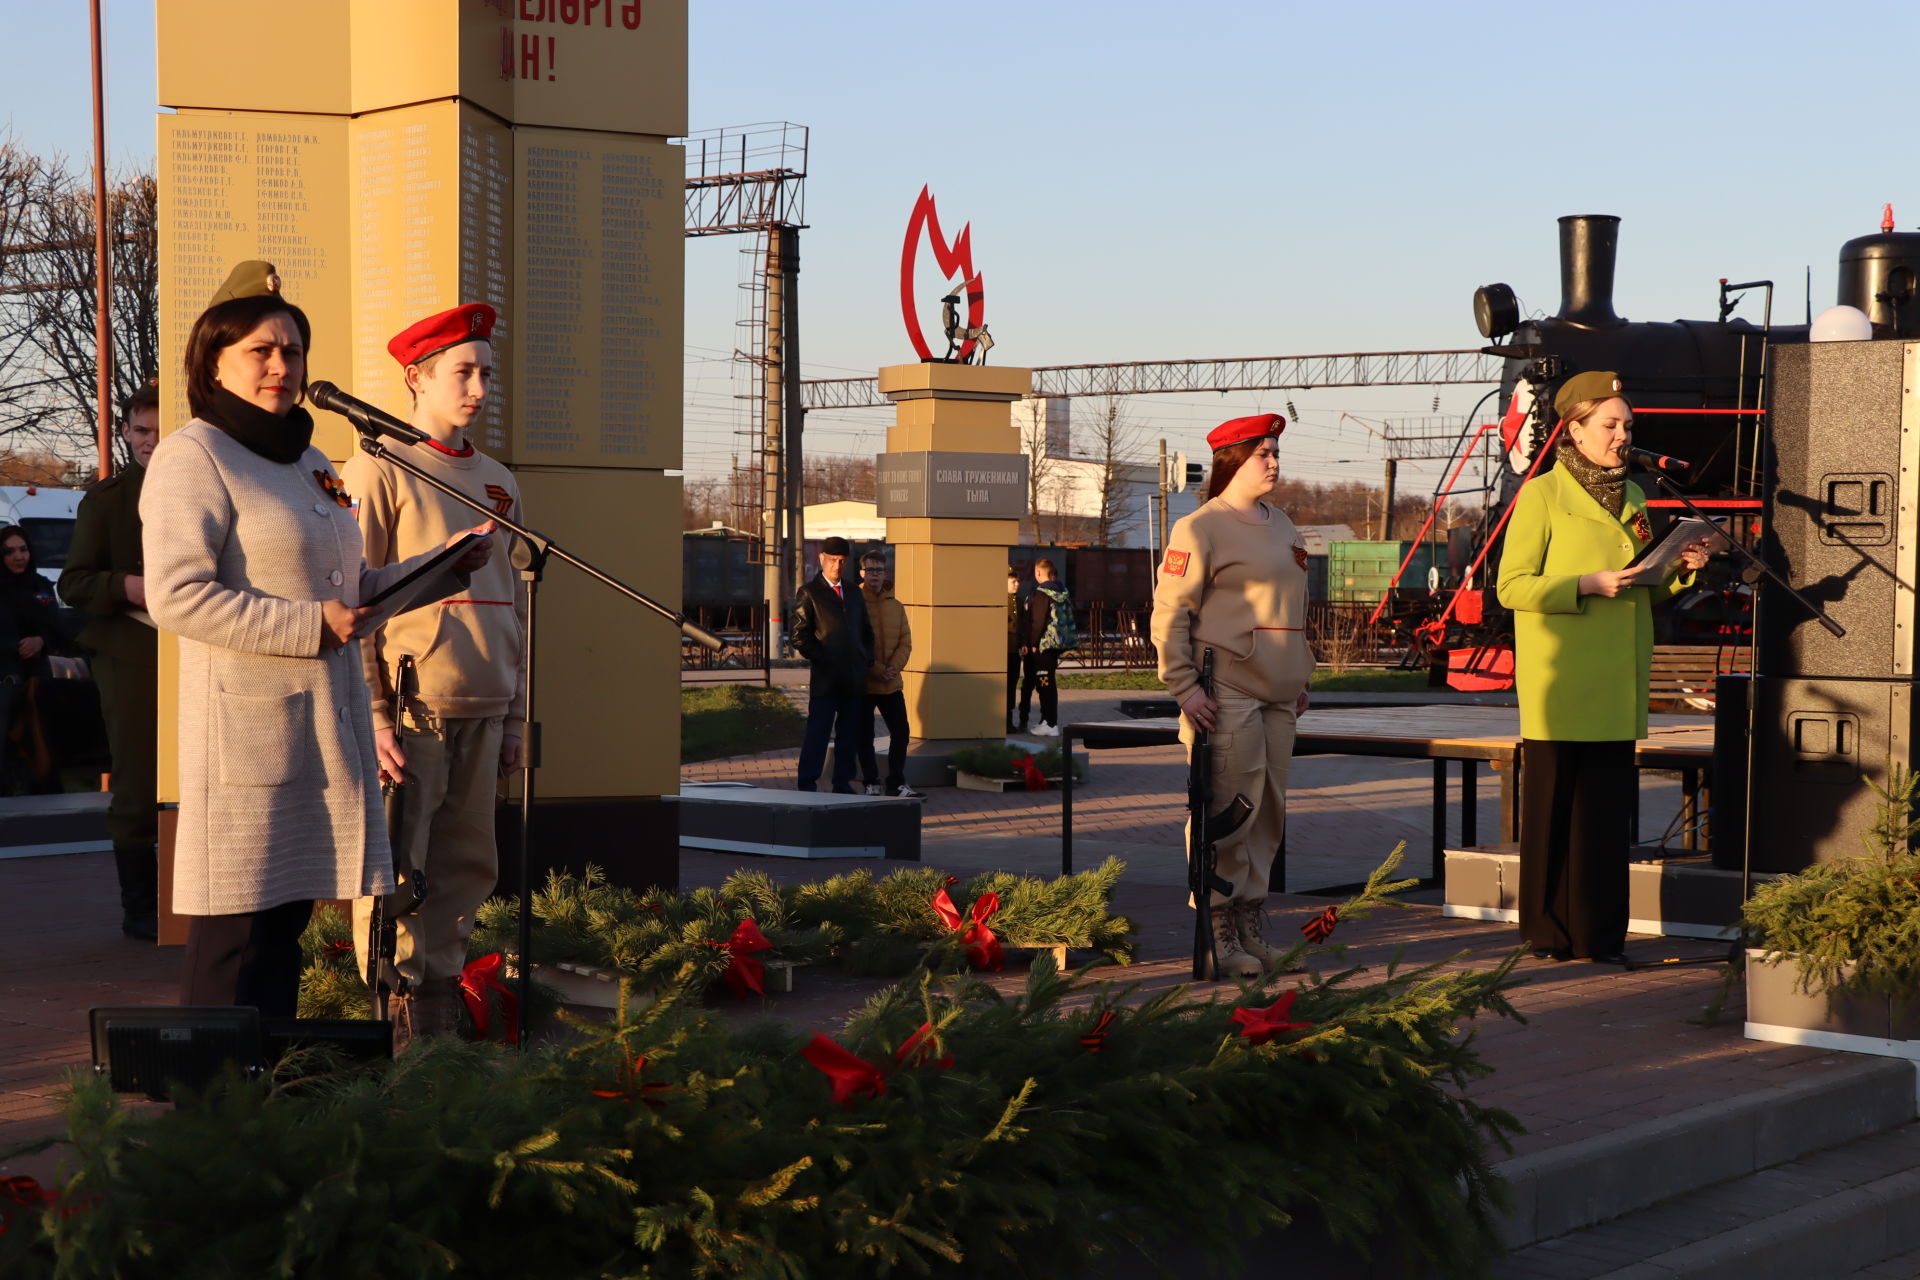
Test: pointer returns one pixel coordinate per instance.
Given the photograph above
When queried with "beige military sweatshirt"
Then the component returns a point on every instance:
(1239, 586)
(467, 649)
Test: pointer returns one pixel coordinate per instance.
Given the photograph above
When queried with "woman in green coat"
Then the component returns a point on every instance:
(1583, 640)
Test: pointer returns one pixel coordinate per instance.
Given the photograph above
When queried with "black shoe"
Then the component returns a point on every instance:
(1558, 957)
(144, 928)
(1617, 957)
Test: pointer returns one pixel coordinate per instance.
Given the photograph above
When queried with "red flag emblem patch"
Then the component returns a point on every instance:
(502, 500)
(1641, 529)
(1177, 563)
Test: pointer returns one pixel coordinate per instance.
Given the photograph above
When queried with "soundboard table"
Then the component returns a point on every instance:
(1437, 733)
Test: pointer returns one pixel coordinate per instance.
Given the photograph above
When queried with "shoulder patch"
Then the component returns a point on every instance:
(501, 498)
(1177, 563)
(1300, 555)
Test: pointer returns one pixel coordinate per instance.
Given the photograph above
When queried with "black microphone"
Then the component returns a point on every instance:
(366, 419)
(1658, 461)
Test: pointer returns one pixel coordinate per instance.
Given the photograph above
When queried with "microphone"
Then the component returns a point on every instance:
(1658, 461)
(366, 419)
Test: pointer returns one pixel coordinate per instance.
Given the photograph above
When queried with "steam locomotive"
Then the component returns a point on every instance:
(1698, 387)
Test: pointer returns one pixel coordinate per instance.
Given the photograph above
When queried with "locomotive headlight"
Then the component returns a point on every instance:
(1495, 310)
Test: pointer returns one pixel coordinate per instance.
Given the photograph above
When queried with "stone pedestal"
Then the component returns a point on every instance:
(951, 570)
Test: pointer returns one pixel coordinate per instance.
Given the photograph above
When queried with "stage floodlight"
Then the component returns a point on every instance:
(158, 1049)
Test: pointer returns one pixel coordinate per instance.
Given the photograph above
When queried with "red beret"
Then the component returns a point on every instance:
(1236, 430)
(435, 334)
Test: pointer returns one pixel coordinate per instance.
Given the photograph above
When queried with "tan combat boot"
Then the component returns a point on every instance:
(436, 1008)
(1249, 915)
(1234, 962)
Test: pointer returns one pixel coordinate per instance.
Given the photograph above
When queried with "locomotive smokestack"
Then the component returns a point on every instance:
(1589, 245)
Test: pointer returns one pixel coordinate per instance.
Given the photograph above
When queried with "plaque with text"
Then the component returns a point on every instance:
(935, 485)
(598, 256)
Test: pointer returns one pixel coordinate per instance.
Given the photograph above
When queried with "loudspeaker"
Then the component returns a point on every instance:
(1842, 519)
(1821, 741)
(1727, 824)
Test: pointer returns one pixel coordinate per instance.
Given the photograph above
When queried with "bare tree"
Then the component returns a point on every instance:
(838, 477)
(48, 351)
(705, 500)
(1114, 440)
(1043, 488)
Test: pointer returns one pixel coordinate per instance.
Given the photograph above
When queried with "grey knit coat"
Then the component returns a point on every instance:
(279, 790)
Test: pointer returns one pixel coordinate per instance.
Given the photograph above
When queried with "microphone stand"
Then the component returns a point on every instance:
(537, 548)
(1756, 569)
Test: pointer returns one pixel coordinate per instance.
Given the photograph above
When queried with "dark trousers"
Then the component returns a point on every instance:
(893, 711)
(835, 716)
(1576, 811)
(128, 693)
(252, 958)
(1014, 665)
(1040, 668)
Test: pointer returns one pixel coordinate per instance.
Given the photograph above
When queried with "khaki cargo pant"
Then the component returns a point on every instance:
(446, 829)
(1252, 756)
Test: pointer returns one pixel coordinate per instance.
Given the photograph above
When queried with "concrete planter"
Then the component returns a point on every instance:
(1779, 1012)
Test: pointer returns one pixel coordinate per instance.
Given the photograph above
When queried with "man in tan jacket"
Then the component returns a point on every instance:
(886, 692)
(452, 742)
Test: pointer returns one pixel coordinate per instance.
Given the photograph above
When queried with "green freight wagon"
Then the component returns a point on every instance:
(1360, 572)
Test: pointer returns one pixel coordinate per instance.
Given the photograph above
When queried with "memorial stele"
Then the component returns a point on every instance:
(397, 159)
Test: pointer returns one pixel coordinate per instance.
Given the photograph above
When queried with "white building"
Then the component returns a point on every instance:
(1071, 486)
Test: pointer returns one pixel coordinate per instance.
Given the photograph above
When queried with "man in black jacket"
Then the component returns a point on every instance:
(832, 632)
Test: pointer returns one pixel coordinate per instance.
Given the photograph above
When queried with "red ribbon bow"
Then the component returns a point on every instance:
(18, 1197)
(1320, 927)
(478, 981)
(852, 1076)
(338, 948)
(918, 1050)
(744, 973)
(978, 943)
(1262, 1025)
(1030, 772)
(1094, 1039)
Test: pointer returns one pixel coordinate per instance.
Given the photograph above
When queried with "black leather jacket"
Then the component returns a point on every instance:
(833, 633)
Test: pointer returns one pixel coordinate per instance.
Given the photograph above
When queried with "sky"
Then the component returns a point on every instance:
(1220, 179)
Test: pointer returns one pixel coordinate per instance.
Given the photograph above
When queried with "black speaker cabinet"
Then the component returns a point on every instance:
(1821, 741)
(1842, 522)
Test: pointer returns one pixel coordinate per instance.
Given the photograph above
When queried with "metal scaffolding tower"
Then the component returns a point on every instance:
(751, 180)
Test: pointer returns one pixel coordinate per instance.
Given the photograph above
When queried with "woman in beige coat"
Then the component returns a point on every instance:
(253, 560)
(1235, 581)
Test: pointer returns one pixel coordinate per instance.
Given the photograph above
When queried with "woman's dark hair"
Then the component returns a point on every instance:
(14, 530)
(1227, 461)
(222, 325)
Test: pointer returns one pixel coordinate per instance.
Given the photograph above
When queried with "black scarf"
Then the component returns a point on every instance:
(273, 437)
(1605, 485)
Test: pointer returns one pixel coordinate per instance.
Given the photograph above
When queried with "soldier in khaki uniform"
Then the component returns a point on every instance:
(453, 742)
(105, 579)
(1235, 580)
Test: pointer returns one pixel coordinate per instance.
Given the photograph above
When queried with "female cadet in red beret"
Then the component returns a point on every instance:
(1235, 580)
(1583, 643)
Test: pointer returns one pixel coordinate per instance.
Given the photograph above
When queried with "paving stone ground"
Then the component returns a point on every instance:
(1600, 1048)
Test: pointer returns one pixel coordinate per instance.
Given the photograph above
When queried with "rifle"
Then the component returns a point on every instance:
(412, 882)
(1206, 829)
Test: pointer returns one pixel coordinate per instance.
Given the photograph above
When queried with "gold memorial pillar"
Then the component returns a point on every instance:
(951, 430)
(397, 159)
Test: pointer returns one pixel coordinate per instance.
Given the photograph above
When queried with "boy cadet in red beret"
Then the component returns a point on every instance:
(454, 740)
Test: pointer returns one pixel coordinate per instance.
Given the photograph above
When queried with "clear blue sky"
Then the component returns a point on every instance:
(1225, 179)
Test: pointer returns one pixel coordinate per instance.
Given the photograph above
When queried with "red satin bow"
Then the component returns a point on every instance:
(852, 1076)
(1094, 1038)
(630, 1085)
(477, 981)
(1262, 1025)
(918, 1049)
(337, 948)
(18, 1197)
(978, 943)
(744, 973)
(1035, 780)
